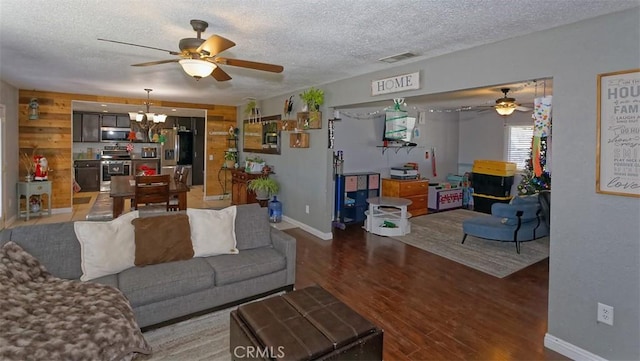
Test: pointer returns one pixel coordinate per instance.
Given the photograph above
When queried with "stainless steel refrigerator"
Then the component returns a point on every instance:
(177, 150)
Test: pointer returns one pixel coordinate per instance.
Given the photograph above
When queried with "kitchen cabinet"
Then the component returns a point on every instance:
(239, 192)
(87, 173)
(415, 190)
(116, 120)
(86, 127)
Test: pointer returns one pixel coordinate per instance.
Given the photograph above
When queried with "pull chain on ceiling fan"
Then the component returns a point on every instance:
(199, 58)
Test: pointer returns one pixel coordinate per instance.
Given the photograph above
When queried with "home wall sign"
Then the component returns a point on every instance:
(618, 133)
(396, 84)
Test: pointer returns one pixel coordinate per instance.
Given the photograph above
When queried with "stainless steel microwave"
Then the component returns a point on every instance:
(114, 134)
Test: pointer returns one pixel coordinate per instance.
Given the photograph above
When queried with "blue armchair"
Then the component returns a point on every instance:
(519, 221)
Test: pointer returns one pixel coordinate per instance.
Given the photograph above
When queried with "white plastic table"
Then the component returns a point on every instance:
(388, 216)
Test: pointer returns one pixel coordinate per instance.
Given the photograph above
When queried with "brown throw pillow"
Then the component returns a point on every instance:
(162, 239)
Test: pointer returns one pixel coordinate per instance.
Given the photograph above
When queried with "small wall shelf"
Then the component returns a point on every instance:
(299, 140)
(396, 147)
(310, 120)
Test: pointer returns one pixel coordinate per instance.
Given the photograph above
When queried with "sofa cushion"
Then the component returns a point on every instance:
(213, 232)
(106, 247)
(161, 239)
(252, 226)
(245, 265)
(109, 280)
(50, 243)
(144, 285)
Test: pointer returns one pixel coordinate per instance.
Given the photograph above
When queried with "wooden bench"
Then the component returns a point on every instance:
(102, 208)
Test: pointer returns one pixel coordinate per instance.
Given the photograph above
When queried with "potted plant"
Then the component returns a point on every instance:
(263, 187)
(229, 159)
(313, 98)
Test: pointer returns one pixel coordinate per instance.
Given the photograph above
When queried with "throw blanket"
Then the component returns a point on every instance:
(43, 317)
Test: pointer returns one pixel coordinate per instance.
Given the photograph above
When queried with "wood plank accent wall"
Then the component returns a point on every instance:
(52, 133)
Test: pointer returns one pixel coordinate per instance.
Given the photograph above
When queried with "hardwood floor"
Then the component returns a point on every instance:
(430, 308)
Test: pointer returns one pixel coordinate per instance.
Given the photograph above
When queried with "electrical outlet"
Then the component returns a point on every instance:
(605, 314)
(306, 208)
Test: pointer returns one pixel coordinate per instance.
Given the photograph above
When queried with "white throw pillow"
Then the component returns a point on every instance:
(106, 247)
(213, 231)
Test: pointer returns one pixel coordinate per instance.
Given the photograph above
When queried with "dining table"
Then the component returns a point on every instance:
(124, 187)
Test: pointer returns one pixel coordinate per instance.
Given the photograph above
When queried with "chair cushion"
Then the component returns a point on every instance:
(145, 285)
(246, 265)
(490, 227)
(508, 212)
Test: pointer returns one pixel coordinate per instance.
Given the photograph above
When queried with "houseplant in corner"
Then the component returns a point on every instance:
(263, 187)
(229, 160)
(313, 98)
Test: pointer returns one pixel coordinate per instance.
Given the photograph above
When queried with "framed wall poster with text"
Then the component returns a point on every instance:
(618, 133)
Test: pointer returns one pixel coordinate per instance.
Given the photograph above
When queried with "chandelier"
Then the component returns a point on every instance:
(147, 120)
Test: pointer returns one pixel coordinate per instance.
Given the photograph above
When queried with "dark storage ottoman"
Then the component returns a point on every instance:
(307, 324)
(492, 185)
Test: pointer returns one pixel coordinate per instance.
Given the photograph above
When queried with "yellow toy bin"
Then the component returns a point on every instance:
(494, 167)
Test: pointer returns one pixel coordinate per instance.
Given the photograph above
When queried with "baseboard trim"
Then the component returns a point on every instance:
(570, 350)
(315, 232)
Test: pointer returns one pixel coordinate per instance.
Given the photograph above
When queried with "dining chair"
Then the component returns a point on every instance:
(179, 176)
(152, 193)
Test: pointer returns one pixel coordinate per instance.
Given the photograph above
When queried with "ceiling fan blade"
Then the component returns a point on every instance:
(140, 46)
(250, 64)
(157, 62)
(215, 45)
(520, 108)
(220, 75)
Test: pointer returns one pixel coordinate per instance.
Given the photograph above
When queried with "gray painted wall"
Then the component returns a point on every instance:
(360, 136)
(595, 239)
(9, 97)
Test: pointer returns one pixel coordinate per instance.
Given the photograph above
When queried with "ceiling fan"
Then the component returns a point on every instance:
(506, 105)
(199, 57)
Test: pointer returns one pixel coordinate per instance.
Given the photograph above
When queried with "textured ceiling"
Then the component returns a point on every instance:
(52, 45)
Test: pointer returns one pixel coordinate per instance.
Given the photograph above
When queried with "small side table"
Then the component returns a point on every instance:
(388, 216)
(35, 188)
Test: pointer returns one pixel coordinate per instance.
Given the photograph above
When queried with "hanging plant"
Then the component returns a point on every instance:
(313, 97)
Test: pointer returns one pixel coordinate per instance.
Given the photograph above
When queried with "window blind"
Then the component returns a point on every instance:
(519, 148)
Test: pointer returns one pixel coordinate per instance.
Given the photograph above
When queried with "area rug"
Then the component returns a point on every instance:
(200, 338)
(81, 200)
(441, 234)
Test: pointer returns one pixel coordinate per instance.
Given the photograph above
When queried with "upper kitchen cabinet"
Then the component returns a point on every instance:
(116, 120)
(86, 127)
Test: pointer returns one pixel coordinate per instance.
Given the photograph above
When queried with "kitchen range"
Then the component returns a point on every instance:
(115, 160)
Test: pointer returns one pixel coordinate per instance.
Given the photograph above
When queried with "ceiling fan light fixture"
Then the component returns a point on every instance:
(197, 68)
(505, 109)
(139, 117)
(132, 116)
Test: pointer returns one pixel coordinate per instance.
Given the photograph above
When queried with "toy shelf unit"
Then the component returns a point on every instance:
(388, 216)
(352, 191)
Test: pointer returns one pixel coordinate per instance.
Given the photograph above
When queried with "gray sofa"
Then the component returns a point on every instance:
(165, 292)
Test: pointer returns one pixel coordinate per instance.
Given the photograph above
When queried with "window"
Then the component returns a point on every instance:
(519, 147)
